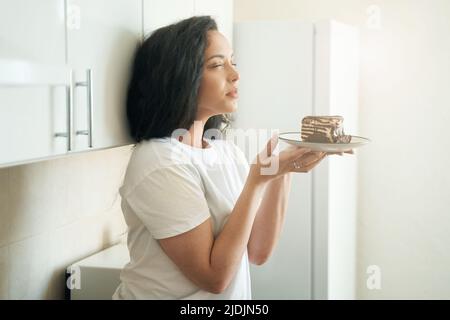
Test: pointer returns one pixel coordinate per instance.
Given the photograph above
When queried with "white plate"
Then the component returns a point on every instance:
(294, 138)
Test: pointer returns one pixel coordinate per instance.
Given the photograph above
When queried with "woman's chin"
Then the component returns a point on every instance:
(232, 106)
(228, 107)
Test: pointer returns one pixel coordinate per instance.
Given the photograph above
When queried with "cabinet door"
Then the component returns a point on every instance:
(158, 13)
(102, 36)
(29, 119)
(32, 31)
(221, 11)
(277, 99)
(32, 105)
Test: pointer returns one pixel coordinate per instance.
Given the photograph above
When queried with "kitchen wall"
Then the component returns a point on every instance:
(56, 212)
(404, 181)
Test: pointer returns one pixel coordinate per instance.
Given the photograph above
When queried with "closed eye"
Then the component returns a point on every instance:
(221, 65)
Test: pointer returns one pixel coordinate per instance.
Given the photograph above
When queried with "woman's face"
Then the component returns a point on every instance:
(218, 87)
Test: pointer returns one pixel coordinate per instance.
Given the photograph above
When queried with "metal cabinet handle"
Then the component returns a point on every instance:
(69, 106)
(89, 94)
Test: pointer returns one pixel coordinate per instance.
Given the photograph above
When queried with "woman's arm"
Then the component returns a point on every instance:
(269, 220)
(212, 263)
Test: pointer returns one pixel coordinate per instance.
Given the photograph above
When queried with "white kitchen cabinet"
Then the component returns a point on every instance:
(308, 69)
(32, 31)
(44, 87)
(30, 118)
(64, 70)
(102, 37)
(33, 96)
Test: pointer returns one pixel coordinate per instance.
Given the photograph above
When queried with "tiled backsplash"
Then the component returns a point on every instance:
(56, 212)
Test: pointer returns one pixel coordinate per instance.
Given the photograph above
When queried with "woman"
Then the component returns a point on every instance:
(197, 213)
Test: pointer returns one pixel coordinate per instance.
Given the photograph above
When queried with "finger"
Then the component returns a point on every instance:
(316, 160)
(310, 157)
(271, 144)
(303, 163)
(309, 166)
(297, 153)
(291, 155)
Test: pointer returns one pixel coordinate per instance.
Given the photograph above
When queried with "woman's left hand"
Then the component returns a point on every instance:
(308, 161)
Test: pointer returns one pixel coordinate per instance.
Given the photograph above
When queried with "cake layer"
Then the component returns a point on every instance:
(324, 129)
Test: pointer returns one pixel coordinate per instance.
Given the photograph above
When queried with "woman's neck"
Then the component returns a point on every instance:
(194, 136)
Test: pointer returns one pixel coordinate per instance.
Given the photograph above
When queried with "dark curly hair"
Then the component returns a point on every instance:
(166, 74)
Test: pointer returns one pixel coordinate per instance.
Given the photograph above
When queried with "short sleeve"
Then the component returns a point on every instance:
(170, 200)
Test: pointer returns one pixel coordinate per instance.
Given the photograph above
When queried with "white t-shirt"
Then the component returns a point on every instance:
(170, 188)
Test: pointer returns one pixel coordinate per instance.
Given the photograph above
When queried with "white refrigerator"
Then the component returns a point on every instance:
(288, 70)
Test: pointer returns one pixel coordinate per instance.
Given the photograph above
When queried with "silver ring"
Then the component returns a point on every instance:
(296, 165)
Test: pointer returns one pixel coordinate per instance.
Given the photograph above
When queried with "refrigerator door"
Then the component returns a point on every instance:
(275, 62)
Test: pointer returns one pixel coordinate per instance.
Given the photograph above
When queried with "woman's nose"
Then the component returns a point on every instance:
(234, 75)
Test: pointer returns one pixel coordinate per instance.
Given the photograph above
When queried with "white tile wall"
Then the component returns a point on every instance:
(4, 273)
(30, 267)
(56, 212)
(4, 208)
(38, 193)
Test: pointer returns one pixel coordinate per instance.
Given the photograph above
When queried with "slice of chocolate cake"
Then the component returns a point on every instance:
(324, 129)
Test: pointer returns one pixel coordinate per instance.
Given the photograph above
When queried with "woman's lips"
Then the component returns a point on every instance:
(233, 94)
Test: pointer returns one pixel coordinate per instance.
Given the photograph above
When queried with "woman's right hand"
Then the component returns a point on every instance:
(268, 166)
